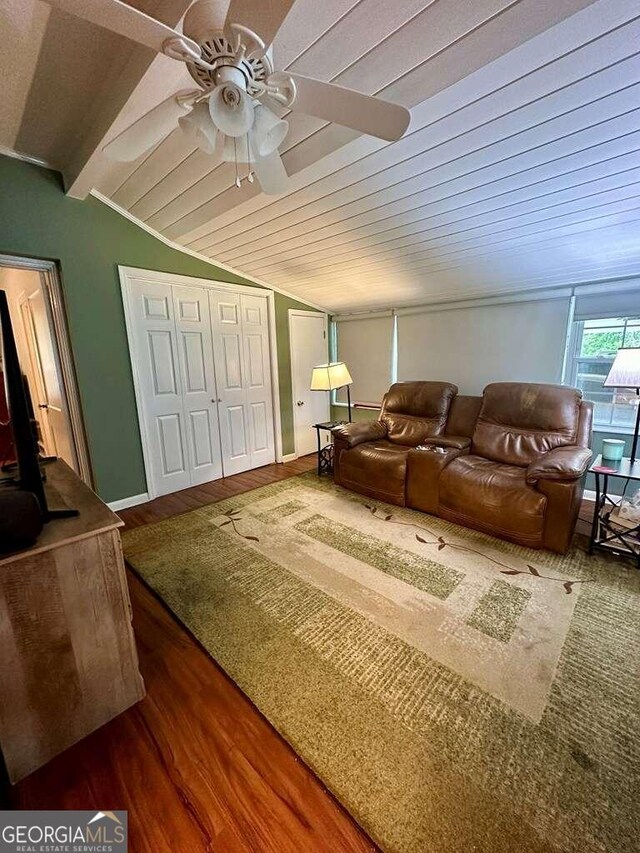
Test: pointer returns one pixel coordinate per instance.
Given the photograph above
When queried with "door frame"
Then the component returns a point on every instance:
(57, 317)
(298, 312)
(37, 373)
(128, 275)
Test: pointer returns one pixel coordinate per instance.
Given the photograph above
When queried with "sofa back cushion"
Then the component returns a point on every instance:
(414, 411)
(463, 415)
(519, 421)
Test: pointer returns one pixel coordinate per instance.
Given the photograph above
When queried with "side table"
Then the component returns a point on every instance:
(606, 535)
(325, 452)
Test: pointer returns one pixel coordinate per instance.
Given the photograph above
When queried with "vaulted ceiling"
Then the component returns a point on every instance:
(520, 169)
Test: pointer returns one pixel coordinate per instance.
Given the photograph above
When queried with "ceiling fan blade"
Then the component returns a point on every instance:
(125, 20)
(348, 107)
(271, 174)
(264, 18)
(149, 129)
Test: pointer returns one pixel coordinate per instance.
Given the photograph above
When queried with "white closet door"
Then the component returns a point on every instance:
(195, 355)
(259, 400)
(228, 349)
(160, 385)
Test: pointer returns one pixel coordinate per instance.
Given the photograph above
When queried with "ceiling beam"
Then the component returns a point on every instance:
(119, 102)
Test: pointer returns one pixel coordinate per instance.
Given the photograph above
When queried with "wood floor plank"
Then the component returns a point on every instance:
(195, 764)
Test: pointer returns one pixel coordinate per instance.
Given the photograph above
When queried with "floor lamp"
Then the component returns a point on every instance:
(330, 377)
(625, 373)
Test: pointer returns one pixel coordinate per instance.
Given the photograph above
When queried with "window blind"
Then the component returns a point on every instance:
(473, 346)
(364, 345)
(612, 303)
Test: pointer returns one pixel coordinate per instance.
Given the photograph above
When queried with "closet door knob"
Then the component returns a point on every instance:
(300, 402)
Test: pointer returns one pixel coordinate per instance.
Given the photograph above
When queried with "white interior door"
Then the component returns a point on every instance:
(308, 341)
(226, 323)
(259, 398)
(195, 357)
(243, 372)
(50, 405)
(158, 367)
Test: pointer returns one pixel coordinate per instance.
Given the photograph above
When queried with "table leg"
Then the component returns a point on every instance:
(319, 449)
(596, 514)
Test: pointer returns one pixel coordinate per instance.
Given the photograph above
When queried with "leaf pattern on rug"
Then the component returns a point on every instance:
(441, 543)
(232, 517)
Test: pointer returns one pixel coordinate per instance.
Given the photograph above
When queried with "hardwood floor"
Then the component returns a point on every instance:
(195, 764)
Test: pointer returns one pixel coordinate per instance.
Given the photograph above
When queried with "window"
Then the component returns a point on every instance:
(595, 345)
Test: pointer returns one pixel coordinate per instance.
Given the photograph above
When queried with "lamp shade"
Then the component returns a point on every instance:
(328, 377)
(625, 370)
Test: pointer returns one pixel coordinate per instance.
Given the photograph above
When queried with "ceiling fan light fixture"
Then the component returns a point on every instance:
(269, 131)
(199, 128)
(239, 150)
(231, 109)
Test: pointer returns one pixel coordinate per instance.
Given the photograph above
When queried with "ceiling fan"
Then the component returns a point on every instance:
(230, 116)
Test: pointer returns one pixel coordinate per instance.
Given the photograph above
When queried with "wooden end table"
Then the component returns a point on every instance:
(605, 534)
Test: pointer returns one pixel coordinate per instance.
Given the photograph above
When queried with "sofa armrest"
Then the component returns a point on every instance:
(457, 442)
(562, 464)
(354, 434)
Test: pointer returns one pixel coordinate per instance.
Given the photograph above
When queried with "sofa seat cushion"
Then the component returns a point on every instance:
(493, 497)
(377, 469)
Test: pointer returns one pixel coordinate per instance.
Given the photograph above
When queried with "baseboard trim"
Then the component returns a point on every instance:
(289, 457)
(125, 503)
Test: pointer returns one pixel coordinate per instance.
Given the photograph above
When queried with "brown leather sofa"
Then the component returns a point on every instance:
(513, 465)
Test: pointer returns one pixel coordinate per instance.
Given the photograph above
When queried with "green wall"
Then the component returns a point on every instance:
(89, 240)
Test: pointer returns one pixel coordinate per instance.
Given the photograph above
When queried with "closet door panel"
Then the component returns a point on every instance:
(260, 428)
(237, 432)
(157, 365)
(255, 327)
(193, 329)
(228, 348)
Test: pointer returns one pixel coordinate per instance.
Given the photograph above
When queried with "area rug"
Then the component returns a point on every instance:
(456, 693)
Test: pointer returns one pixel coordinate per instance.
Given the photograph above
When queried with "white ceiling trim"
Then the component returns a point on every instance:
(185, 251)
(535, 294)
(26, 158)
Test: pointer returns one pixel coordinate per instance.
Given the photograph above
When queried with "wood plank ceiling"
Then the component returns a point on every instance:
(520, 168)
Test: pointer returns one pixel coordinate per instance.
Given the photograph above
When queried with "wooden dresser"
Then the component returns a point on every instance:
(68, 661)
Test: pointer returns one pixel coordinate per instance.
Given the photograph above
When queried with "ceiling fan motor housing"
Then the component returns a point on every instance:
(242, 50)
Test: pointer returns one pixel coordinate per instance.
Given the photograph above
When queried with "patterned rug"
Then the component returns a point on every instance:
(455, 692)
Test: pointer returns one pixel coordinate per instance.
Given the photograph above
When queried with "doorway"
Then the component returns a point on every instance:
(39, 326)
(308, 342)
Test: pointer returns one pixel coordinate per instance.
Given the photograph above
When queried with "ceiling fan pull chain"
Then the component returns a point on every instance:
(250, 172)
(235, 157)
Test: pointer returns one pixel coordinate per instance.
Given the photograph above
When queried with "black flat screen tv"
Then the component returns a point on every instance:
(29, 475)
